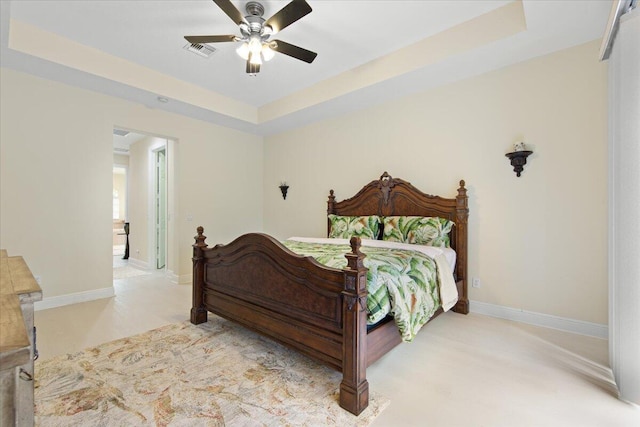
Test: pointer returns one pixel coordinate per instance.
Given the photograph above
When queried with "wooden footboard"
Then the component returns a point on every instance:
(293, 299)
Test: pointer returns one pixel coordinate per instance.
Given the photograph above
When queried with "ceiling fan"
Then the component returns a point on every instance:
(256, 33)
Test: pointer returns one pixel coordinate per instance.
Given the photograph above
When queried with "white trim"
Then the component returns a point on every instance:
(612, 200)
(173, 277)
(62, 300)
(540, 319)
(184, 279)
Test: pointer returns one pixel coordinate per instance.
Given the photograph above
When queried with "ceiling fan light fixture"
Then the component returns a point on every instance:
(255, 59)
(243, 51)
(267, 53)
(255, 45)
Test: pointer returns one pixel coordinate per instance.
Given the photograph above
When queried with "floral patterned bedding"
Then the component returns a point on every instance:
(400, 282)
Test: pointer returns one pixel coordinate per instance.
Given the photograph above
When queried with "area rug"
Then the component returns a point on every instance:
(213, 374)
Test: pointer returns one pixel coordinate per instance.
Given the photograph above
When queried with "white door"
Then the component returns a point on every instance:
(161, 208)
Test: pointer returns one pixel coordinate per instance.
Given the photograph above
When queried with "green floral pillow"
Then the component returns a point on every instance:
(344, 227)
(420, 230)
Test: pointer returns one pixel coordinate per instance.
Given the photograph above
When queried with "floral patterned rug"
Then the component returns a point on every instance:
(213, 374)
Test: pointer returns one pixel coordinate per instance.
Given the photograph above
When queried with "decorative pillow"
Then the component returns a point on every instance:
(344, 227)
(420, 230)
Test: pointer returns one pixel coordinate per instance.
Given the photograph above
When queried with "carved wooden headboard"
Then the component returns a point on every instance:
(390, 196)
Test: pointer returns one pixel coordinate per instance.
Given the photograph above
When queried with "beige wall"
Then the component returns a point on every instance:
(66, 236)
(537, 242)
(121, 160)
(140, 184)
(120, 185)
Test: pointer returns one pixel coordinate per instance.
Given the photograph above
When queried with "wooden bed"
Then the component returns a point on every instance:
(317, 310)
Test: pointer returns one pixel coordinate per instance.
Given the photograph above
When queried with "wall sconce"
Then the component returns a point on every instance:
(518, 157)
(284, 188)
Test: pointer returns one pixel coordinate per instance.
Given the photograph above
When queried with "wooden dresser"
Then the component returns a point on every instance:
(18, 291)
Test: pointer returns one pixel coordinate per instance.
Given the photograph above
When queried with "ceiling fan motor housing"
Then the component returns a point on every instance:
(254, 20)
(254, 8)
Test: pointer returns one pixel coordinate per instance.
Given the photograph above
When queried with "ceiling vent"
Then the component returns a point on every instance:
(120, 132)
(200, 49)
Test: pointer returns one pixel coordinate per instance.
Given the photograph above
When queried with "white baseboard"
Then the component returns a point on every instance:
(540, 319)
(184, 279)
(77, 297)
(173, 277)
(138, 264)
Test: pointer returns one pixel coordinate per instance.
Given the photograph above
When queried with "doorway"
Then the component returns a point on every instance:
(151, 201)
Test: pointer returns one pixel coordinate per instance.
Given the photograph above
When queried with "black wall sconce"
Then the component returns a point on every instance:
(518, 157)
(284, 188)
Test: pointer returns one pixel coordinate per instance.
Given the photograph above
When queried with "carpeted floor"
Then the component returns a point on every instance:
(214, 374)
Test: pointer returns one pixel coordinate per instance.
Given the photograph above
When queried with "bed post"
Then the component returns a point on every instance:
(354, 388)
(462, 214)
(330, 209)
(198, 311)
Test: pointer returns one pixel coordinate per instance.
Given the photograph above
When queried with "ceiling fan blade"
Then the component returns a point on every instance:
(288, 15)
(231, 11)
(293, 51)
(210, 39)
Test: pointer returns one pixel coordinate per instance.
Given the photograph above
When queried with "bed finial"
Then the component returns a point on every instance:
(355, 258)
(462, 203)
(331, 203)
(385, 185)
(200, 238)
(462, 191)
(332, 198)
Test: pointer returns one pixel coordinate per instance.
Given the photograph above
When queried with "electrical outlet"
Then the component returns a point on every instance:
(475, 282)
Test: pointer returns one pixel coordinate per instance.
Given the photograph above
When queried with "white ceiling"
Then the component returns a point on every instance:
(345, 34)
